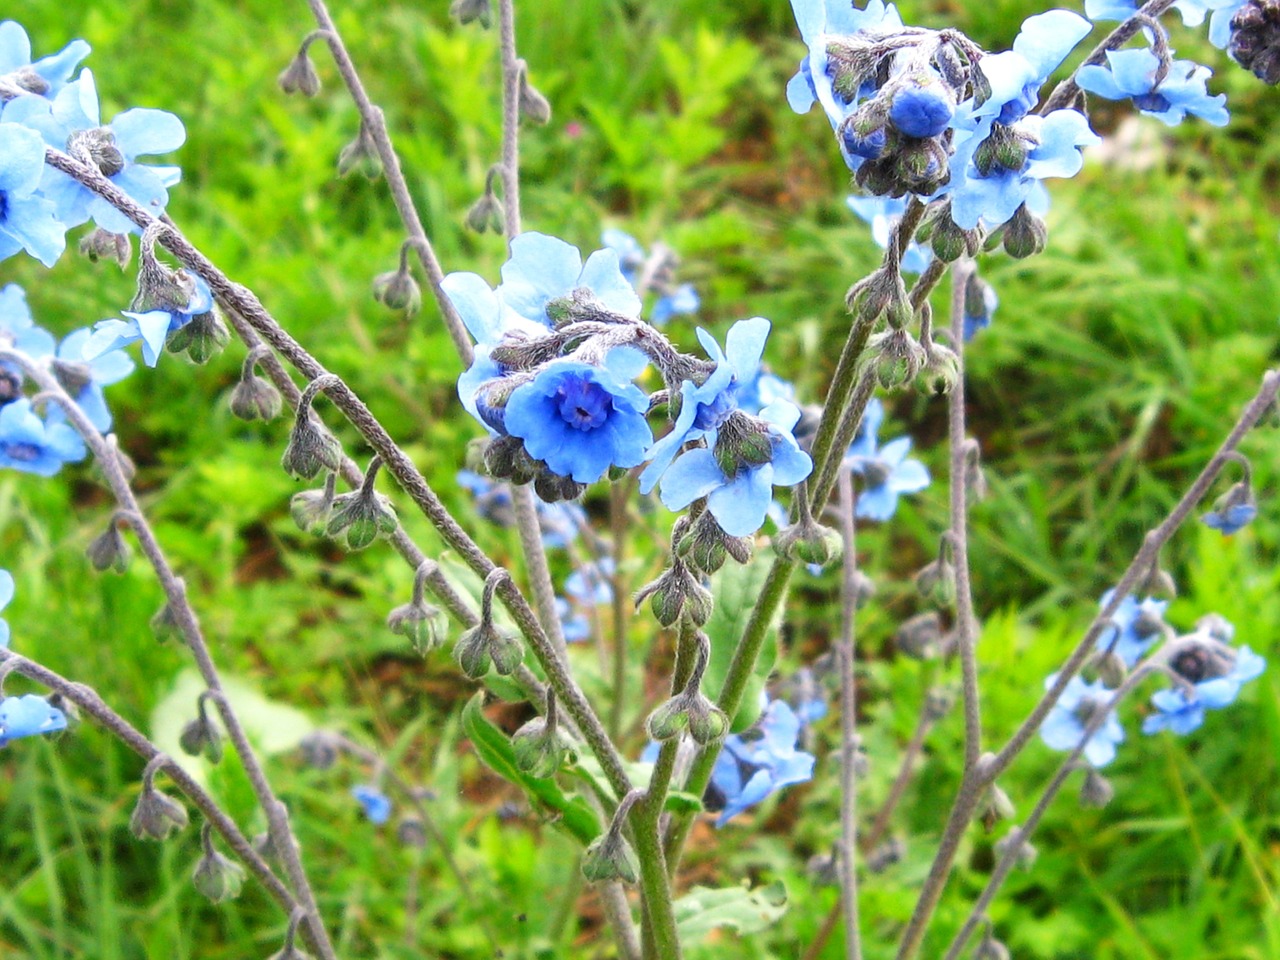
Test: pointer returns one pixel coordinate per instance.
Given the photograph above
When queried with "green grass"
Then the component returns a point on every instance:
(1115, 364)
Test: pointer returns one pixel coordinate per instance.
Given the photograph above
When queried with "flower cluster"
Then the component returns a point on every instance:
(560, 347)
(42, 107)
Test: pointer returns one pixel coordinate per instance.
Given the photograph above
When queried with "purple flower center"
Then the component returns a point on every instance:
(583, 405)
(23, 452)
(1152, 102)
(711, 415)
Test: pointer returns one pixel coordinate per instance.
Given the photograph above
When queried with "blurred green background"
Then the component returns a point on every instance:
(1116, 362)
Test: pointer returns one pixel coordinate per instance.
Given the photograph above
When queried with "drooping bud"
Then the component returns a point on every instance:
(1025, 234)
(156, 815)
(1096, 791)
(937, 580)
(505, 458)
(938, 703)
(397, 289)
(1233, 510)
(705, 546)
(321, 749)
(1024, 852)
(980, 302)
(300, 75)
(486, 644)
(1111, 668)
(98, 147)
(465, 11)
(103, 245)
(255, 398)
(200, 339)
(421, 623)
(609, 857)
(810, 543)
(553, 488)
(675, 592)
(364, 515)
(540, 747)
(201, 737)
(886, 855)
(994, 806)
(824, 870)
(894, 358)
(291, 951)
(485, 214)
(875, 295)
(941, 370)
(532, 103)
(311, 448)
(360, 154)
(949, 240)
(920, 638)
(989, 948)
(166, 625)
(109, 551)
(215, 876)
(311, 509)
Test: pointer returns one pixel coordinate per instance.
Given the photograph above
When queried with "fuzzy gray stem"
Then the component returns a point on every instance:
(847, 653)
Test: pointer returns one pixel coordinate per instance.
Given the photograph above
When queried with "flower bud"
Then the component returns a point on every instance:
(215, 876)
(553, 488)
(109, 551)
(810, 543)
(486, 645)
(742, 442)
(1096, 791)
(532, 103)
(1255, 39)
(256, 399)
(320, 749)
(311, 449)
(1111, 668)
(540, 750)
(98, 146)
(676, 592)
(938, 702)
(994, 806)
(707, 722)
(941, 371)
(300, 76)
(1025, 234)
(166, 625)
(949, 240)
(465, 11)
(361, 517)
(200, 737)
(485, 214)
(609, 857)
(870, 297)
(1026, 853)
(824, 870)
(311, 509)
(420, 623)
(990, 949)
(920, 638)
(360, 154)
(886, 855)
(505, 458)
(156, 815)
(102, 245)
(1234, 509)
(397, 290)
(706, 546)
(937, 583)
(895, 358)
(201, 338)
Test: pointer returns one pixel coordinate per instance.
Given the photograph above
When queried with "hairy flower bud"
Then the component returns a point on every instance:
(1025, 854)
(941, 371)
(109, 551)
(1096, 791)
(156, 816)
(994, 806)
(705, 546)
(938, 702)
(101, 244)
(256, 399)
(311, 509)
(361, 517)
(398, 290)
(810, 542)
(886, 855)
(200, 737)
(540, 749)
(553, 488)
(360, 154)
(1255, 39)
(937, 583)
(311, 448)
(215, 876)
(486, 645)
(201, 339)
(990, 949)
(920, 638)
(676, 592)
(485, 214)
(300, 76)
(505, 458)
(465, 11)
(420, 623)
(321, 749)
(609, 857)
(895, 358)
(165, 624)
(532, 103)
(1025, 234)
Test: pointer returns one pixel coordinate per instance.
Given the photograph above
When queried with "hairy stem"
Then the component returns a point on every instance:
(847, 653)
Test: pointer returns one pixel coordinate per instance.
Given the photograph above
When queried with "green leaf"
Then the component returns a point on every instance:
(735, 589)
(702, 909)
(571, 814)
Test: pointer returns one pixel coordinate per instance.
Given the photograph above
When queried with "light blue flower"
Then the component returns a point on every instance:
(582, 419)
(1054, 143)
(575, 626)
(590, 584)
(73, 117)
(1132, 74)
(1016, 75)
(1231, 517)
(682, 300)
(886, 472)
(18, 329)
(704, 406)
(1193, 13)
(1182, 709)
(1065, 726)
(630, 253)
(28, 716)
(1135, 627)
(43, 77)
(84, 379)
(27, 219)
(757, 392)
(152, 328)
(6, 595)
(760, 762)
(376, 804)
(740, 503)
(32, 445)
(883, 213)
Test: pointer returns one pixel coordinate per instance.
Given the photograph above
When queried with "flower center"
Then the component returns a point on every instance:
(1152, 102)
(583, 405)
(711, 415)
(876, 472)
(23, 452)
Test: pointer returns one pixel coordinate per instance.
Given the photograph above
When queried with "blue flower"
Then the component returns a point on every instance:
(630, 253)
(376, 804)
(27, 220)
(72, 119)
(1193, 13)
(1079, 704)
(683, 299)
(980, 303)
(740, 503)
(582, 419)
(757, 392)
(18, 329)
(560, 522)
(84, 379)
(1182, 709)
(1231, 516)
(882, 213)
(1053, 150)
(1135, 627)
(631, 258)
(152, 328)
(1132, 76)
(575, 627)
(886, 472)
(28, 716)
(44, 77)
(704, 406)
(759, 762)
(32, 445)
(921, 106)
(6, 594)
(1016, 75)
(590, 585)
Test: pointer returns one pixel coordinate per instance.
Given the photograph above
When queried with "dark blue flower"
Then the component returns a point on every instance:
(1065, 726)
(704, 406)
(27, 220)
(758, 762)
(1132, 76)
(32, 445)
(1182, 709)
(28, 716)
(582, 419)
(740, 503)
(71, 120)
(1135, 627)
(885, 471)
(6, 594)
(922, 106)
(376, 804)
(44, 77)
